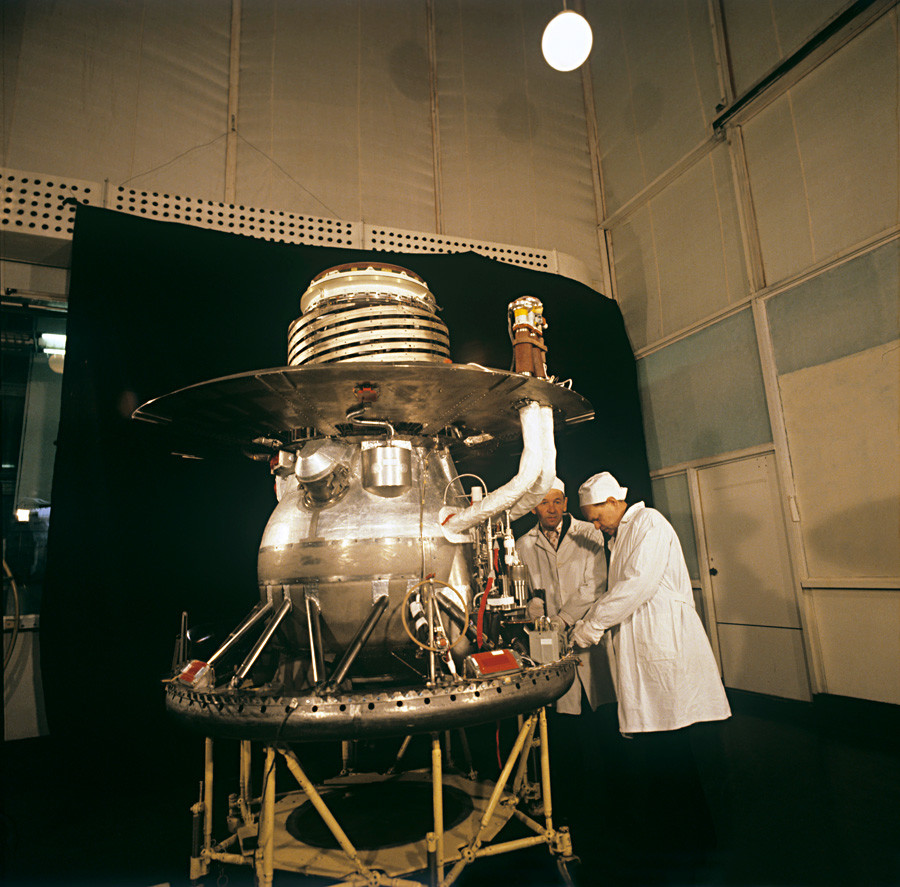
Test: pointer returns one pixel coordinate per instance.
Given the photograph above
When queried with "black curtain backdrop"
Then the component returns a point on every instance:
(138, 534)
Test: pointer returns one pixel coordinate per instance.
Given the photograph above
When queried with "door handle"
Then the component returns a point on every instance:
(713, 571)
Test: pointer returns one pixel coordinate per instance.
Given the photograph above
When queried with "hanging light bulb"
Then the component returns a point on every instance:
(567, 41)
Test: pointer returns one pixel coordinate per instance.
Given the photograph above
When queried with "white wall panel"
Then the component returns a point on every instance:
(334, 113)
(121, 89)
(761, 34)
(620, 151)
(679, 260)
(823, 158)
(655, 88)
(514, 151)
(779, 190)
(842, 425)
(859, 635)
(698, 244)
(672, 497)
(763, 660)
(846, 114)
(637, 278)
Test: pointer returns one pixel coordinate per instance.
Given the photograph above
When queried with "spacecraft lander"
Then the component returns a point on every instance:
(391, 598)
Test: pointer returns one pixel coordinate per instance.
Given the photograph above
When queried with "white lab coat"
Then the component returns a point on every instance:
(572, 576)
(663, 666)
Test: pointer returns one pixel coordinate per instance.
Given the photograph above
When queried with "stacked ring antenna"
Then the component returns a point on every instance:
(367, 312)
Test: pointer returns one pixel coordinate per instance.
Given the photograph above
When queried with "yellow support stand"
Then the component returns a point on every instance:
(260, 838)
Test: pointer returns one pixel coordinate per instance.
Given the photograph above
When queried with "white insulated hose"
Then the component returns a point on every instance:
(537, 468)
(541, 486)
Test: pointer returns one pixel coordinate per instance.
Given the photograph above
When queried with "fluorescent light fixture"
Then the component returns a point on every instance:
(22, 515)
(567, 41)
(53, 343)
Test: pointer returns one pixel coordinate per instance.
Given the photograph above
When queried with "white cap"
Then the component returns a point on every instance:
(599, 488)
(558, 485)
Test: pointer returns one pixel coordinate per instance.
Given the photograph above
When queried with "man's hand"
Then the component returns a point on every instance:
(535, 608)
(584, 635)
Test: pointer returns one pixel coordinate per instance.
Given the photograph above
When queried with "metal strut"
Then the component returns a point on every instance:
(250, 620)
(358, 642)
(264, 639)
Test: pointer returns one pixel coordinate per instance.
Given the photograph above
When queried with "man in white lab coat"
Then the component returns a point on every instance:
(565, 557)
(665, 674)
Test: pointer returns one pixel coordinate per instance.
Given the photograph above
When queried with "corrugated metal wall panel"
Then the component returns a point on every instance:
(823, 158)
(679, 259)
(704, 395)
(760, 35)
(655, 88)
(847, 309)
(122, 90)
(513, 140)
(334, 113)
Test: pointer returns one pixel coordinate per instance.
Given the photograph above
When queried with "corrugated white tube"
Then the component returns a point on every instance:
(534, 417)
(541, 486)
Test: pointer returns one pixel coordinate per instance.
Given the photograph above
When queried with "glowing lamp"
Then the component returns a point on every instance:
(567, 41)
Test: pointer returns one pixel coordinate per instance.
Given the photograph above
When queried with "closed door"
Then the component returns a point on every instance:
(757, 617)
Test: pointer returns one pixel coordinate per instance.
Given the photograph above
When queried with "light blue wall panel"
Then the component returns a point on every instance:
(672, 497)
(704, 395)
(844, 311)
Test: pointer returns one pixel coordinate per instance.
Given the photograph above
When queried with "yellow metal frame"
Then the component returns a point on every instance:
(265, 858)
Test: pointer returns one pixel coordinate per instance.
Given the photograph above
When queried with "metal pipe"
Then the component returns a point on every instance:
(475, 844)
(362, 635)
(527, 727)
(245, 788)
(323, 811)
(252, 618)
(370, 423)
(545, 772)
(467, 754)
(509, 846)
(266, 863)
(400, 753)
(198, 866)
(523, 762)
(314, 624)
(437, 798)
(207, 793)
(432, 655)
(264, 639)
(533, 824)
(431, 855)
(230, 858)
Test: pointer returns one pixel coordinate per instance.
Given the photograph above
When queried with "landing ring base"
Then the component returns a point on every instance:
(270, 718)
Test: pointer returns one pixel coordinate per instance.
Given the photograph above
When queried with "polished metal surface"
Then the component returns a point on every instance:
(367, 312)
(375, 332)
(364, 538)
(274, 403)
(359, 430)
(364, 279)
(368, 715)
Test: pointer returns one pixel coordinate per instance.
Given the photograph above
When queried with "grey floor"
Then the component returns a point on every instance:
(801, 794)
